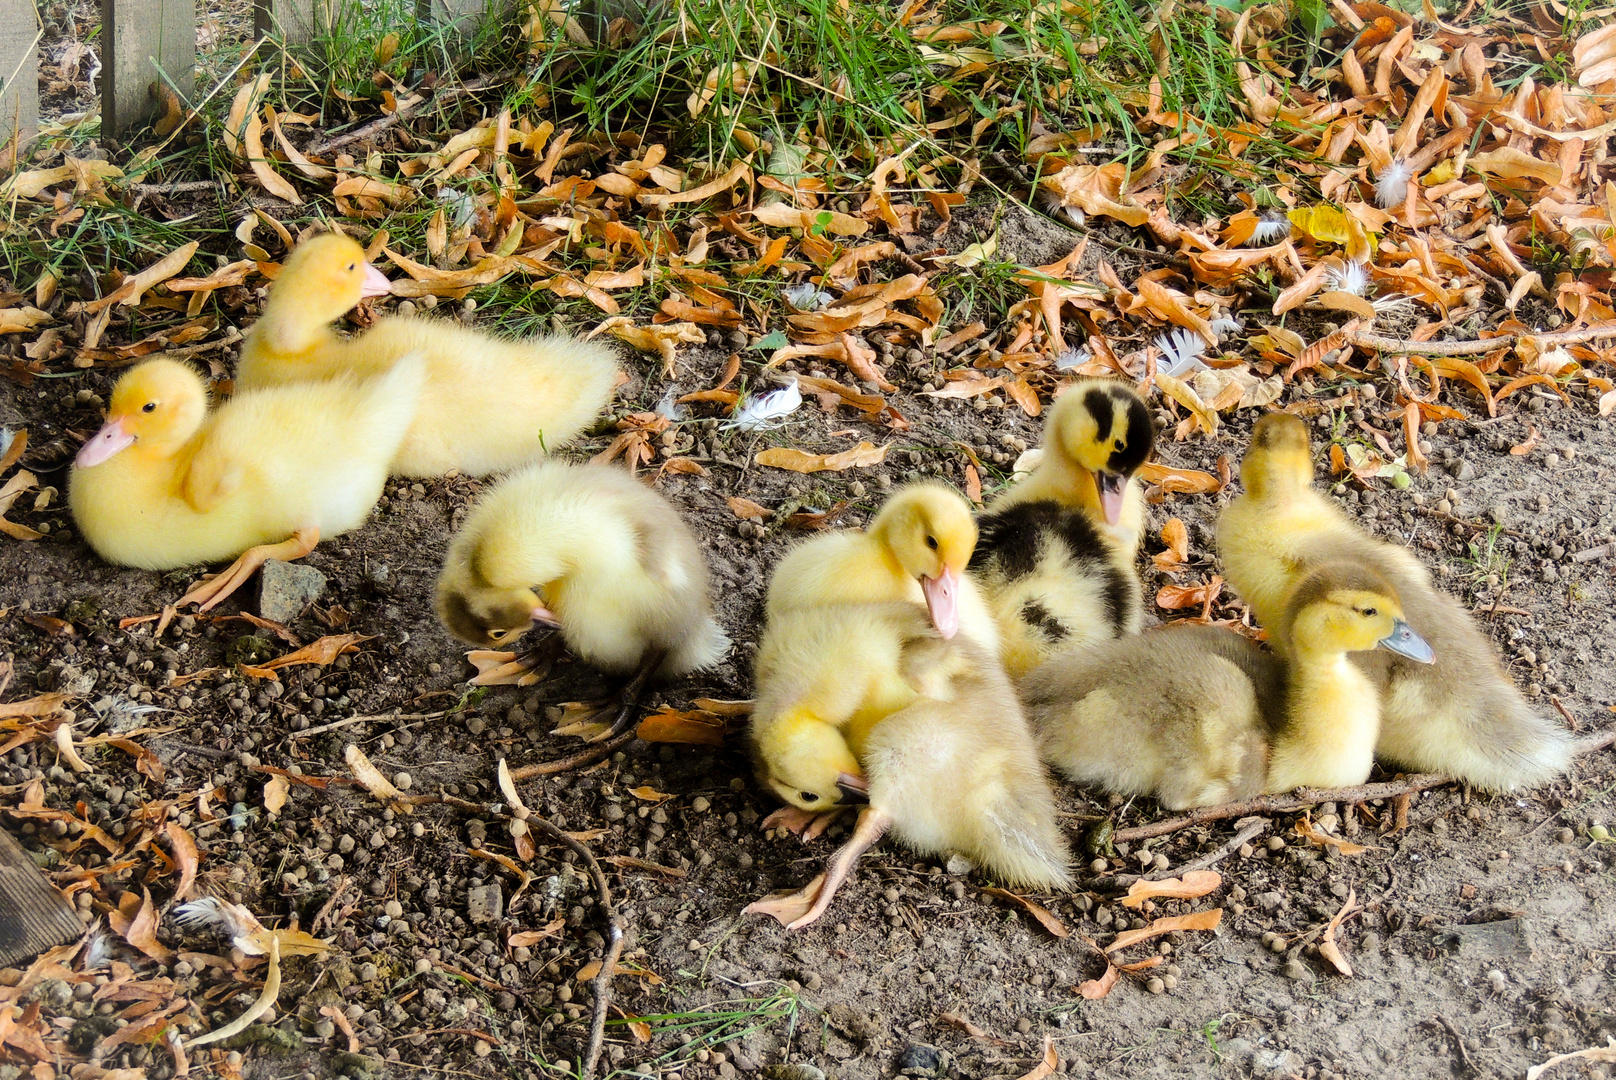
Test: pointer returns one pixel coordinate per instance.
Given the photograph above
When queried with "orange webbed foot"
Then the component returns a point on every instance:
(213, 589)
(810, 825)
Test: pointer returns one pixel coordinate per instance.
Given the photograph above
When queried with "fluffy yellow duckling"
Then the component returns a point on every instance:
(956, 774)
(490, 404)
(1195, 715)
(592, 552)
(825, 676)
(1461, 716)
(916, 549)
(165, 483)
(1057, 550)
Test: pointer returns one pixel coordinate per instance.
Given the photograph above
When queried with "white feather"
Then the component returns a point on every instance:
(1181, 353)
(1072, 358)
(1270, 229)
(1226, 327)
(1352, 278)
(807, 296)
(761, 412)
(1052, 205)
(669, 408)
(1391, 187)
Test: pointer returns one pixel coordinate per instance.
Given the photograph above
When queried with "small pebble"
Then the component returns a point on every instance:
(1156, 985)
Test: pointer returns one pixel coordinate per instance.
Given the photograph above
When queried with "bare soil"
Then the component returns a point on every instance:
(1483, 944)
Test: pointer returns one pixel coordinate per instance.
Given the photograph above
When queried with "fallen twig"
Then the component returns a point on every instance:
(1363, 339)
(1590, 554)
(1305, 797)
(375, 718)
(382, 123)
(1251, 831)
(573, 761)
(1458, 1044)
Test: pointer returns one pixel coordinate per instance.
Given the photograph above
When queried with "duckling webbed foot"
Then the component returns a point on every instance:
(208, 592)
(627, 699)
(496, 668)
(798, 909)
(808, 824)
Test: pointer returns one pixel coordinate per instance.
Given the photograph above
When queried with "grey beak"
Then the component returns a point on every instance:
(1405, 642)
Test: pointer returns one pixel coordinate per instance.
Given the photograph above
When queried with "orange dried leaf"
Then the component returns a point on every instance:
(1175, 597)
(747, 509)
(1193, 884)
(1177, 539)
(1045, 917)
(1200, 920)
(1308, 831)
(1529, 444)
(693, 727)
(1047, 1065)
(529, 938)
(862, 455)
(1095, 989)
(1328, 947)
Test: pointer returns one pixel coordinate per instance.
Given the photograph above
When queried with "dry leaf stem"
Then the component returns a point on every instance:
(1363, 339)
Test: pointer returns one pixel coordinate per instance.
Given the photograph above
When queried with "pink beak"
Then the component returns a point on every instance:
(1112, 490)
(376, 283)
(942, 600)
(543, 616)
(104, 444)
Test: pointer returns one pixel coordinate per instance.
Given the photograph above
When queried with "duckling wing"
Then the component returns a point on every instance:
(1052, 580)
(1184, 713)
(964, 776)
(491, 403)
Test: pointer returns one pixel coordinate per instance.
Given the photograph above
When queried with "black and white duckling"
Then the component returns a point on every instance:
(1056, 552)
(1461, 716)
(956, 773)
(591, 552)
(1197, 715)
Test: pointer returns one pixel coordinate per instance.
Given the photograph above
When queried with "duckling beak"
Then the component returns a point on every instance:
(104, 444)
(1405, 642)
(1112, 487)
(543, 616)
(942, 600)
(854, 789)
(375, 284)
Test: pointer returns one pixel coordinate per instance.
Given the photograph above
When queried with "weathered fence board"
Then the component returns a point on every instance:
(297, 22)
(33, 915)
(145, 40)
(19, 71)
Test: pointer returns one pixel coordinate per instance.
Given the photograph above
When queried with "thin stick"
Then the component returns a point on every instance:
(1250, 832)
(573, 761)
(1305, 797)
(1458, 1044)
(602, 984)
(382, 123)
(1280, 804)
(1363, 339)
(395, 717)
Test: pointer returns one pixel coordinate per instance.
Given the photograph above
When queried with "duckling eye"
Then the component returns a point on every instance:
(498, 635)
(150, 406)
(808, 796)
(352, 267)
(931, 542)
(1370, 613)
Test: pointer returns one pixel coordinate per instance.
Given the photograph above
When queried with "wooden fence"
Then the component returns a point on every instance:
(142, 41)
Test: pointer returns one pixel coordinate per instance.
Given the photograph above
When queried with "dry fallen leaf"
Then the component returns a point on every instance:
(1328, 948)
(372, 778)
(1307, 830)
(1177, 539)
(1045, 917)
(1181, 481)
(780, 457)
(1047, 1065)
(529, 938)
(275, 793)
(1200, 920)
(1095, 989)
(1193, 884)
(694, 727)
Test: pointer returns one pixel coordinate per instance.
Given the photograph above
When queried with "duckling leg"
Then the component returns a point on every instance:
(211, 590)
(797, 910)
(627, 699)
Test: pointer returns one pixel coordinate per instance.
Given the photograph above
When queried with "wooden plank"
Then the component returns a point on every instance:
(466, 16)
(296, 22)
(19, 72)
(33, 915)
(144, 38)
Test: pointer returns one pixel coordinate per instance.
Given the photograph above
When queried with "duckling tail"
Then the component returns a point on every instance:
(1022, 845)
(704, 648)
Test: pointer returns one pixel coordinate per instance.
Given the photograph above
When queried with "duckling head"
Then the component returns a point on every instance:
(1346, 607)
(1104, 429)
(324, 278)
(1280, 459)
(157, 406)
(927, 529)
(807, 764)
(488, 617)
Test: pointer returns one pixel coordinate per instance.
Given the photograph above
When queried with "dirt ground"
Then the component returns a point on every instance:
(1482, 945)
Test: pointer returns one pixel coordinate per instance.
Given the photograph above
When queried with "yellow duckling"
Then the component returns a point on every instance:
(916, 549)
(825, 676)
(1057, 550)
(166, 483)
(489, 405)
(1196, 715)
(957, 774)
(590, 551)
(1461, 716)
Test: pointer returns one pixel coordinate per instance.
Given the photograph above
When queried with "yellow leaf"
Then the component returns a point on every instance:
(1512, 164)
(1192, 884)
(781, 457)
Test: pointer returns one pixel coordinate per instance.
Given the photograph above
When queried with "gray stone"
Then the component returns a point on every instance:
(1276, 1063)
(1500, 940)
(1463, 470)
(485, 903)
(285, 589)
